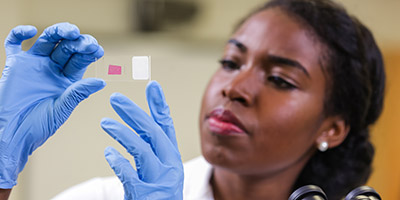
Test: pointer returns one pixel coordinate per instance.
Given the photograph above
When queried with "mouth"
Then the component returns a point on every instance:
(224, 122)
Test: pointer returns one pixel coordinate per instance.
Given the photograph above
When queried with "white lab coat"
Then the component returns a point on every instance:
(196, 185)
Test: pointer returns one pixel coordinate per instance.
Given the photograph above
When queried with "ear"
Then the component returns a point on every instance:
(334, 131)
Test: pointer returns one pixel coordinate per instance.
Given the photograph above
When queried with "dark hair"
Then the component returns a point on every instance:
(356, 77)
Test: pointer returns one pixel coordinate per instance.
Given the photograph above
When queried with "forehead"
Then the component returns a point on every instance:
(273, 31)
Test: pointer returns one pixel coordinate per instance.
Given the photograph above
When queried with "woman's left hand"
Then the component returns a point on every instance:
(159, 169)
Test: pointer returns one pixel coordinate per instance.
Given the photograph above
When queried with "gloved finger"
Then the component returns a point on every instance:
(146, 127)
(72, 96)
(146, 161)
(50, 37)
(78, 63)
(159, 110)
(18, 34)
(85, 44)
(121, 166)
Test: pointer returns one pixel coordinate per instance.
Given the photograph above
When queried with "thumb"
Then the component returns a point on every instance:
(120, 165)
(73, 95)
(16, 36)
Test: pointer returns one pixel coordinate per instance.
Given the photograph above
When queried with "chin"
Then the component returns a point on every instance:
(221, 156)
(214, 154)
(223, 151)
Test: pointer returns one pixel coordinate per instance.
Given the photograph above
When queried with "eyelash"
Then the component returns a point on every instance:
(276, 80)
(229, 64)
(281, 83)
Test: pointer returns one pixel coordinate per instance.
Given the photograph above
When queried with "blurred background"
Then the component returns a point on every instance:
(185, 39)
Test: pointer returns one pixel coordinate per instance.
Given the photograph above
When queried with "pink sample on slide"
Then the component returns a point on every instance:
(114, 70)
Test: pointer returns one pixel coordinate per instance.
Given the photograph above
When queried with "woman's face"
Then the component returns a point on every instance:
(263, 108)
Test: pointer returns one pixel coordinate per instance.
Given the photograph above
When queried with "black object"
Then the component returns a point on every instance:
(363, 193)
(153, 15)
(308, 192)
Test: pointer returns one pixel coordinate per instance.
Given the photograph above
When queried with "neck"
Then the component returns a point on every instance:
(230, 185)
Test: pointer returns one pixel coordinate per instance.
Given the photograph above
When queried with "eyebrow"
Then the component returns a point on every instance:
(287, 62)
(238, 44)
(273, 58)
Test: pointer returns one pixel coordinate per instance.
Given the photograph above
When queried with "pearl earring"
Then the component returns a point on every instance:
(323, 146)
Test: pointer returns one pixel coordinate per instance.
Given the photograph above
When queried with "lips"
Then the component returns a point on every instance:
(224, 122)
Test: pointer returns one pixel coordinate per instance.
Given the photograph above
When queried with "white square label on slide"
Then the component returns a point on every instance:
(140, 67)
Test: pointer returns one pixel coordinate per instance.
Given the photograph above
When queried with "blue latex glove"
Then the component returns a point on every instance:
(39, 89)
(159, 173)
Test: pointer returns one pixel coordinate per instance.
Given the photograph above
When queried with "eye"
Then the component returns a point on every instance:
(229, 64)
(281, 83)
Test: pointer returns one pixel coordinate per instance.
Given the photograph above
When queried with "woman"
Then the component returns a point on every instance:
(299, 84)
(299, 75)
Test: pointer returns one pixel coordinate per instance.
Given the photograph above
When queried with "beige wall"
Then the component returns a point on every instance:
(386, 176)
(182, 61)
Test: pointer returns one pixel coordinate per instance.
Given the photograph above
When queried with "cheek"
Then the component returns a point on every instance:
(211, 95)
(290, 128)
(300, 112)
(209, 98)
(212, 98)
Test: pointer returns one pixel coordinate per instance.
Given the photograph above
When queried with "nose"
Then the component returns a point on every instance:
(243, 87)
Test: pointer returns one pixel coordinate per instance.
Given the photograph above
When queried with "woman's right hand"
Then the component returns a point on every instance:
(39, 89)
